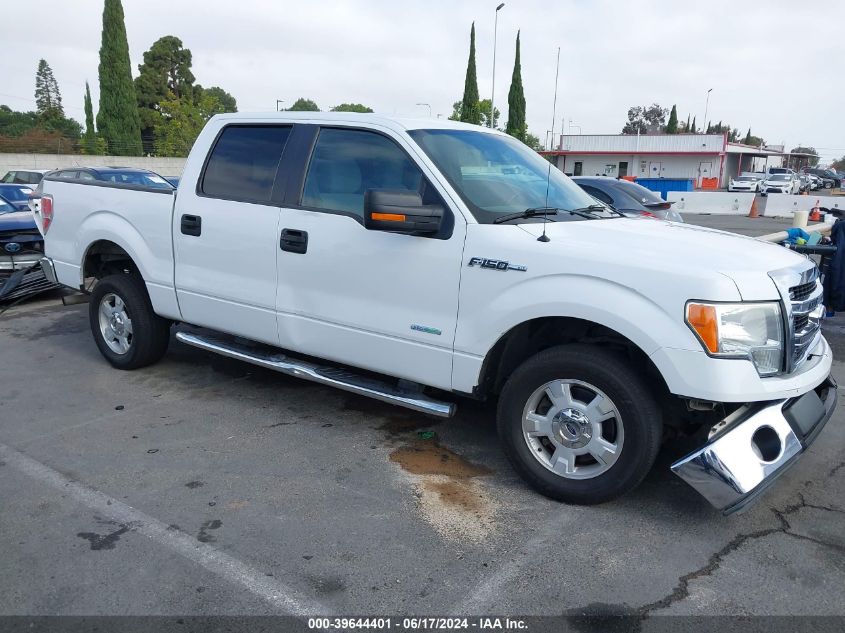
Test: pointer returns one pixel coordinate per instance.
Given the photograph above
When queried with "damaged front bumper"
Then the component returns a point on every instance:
(753, 446)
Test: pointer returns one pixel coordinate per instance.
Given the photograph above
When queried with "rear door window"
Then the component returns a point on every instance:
(244, 161)
(597, 194)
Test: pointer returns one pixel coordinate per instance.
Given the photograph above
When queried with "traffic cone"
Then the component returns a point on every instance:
(754, 213)
(815, 214)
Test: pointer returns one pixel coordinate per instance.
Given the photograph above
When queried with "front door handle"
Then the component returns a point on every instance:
(191, 225)
(294, 241)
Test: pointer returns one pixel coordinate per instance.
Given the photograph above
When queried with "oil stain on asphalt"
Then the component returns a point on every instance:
(104, 541)
(203, 535)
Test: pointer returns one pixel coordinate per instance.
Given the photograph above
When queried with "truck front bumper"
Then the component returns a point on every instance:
(753, 446)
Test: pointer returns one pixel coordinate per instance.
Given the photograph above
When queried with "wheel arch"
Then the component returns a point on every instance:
(532, 336)
(104, 257)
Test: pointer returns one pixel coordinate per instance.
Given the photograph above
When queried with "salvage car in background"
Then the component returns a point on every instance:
(131, 176)
(781, 183)
(744, 183)
(25, 176)
(17, 195)
(628, 197)
(21, 249)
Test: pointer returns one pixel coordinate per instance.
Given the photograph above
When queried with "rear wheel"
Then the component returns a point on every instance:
(578, 424)
(126, 330)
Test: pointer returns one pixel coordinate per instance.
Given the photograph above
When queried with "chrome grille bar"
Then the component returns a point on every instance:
(802, 295)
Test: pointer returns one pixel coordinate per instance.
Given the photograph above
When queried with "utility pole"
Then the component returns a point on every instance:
(428, 106)
(493, 93)
(707, 107)
(278, 103)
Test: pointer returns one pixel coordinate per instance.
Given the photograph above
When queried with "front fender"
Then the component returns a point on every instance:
(647, 324)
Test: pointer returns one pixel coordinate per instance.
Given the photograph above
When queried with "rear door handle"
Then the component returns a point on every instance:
(294, 241)
(191, 225)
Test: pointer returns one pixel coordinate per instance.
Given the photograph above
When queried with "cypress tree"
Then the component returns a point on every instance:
(470, 112)
(90, 140)
(672, 126)
(693, 126)
(516, 100)
(747, 140)
(686, 128)
(118, 119)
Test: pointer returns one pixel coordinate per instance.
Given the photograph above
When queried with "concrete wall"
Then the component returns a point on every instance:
(723, 203)
(163, 166)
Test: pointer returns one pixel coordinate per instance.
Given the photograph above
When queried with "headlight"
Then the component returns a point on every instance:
(740, 330)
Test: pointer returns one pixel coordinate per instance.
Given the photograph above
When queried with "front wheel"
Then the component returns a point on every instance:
(128, 333)
(579, 424)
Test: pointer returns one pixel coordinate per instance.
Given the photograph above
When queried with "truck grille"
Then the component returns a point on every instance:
(805, 300)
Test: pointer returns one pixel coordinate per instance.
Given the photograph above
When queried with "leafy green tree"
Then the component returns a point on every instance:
(226, 102)
(304, 105)
(516, 125)
(166, 70)
(838, 165)
(645, 119)
(91, 143)
(181, 122)
(813, 160)
(351, 107)
(532, 141)
(48, 99)
(672, 125)
(117, 119)
(469, 105)
(482, 107)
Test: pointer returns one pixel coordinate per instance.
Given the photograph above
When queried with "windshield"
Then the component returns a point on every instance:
(5, 207)
(746, 179)
(779, 177)
(639, 193)
(148, 179)
(498, 175)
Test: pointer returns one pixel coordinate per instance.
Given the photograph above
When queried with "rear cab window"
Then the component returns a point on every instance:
(243, 163)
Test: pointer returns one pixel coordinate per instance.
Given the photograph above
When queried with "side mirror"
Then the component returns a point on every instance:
(400, 211)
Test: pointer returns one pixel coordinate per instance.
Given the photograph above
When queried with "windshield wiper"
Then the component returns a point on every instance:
(535, 212)
(587, 212)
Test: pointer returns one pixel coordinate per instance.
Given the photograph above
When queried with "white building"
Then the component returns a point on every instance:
(708, 159)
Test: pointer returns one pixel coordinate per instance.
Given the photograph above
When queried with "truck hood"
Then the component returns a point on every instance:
(647, 244)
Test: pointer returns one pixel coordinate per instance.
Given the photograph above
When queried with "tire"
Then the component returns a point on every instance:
(635, 427)
(126, 330)
(827, 185)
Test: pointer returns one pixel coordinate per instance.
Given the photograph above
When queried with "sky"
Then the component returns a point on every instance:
(773, 65)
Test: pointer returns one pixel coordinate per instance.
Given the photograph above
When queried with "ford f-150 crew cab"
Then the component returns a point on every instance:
(420, 262)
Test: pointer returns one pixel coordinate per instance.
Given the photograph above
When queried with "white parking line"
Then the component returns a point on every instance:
(227, 567)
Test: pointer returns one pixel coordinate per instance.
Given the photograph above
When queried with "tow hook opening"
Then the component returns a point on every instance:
(766, 444)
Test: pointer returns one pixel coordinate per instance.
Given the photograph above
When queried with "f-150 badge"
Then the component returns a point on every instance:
(494, 264)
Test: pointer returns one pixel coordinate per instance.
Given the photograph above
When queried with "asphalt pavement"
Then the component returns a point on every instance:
(205, 486)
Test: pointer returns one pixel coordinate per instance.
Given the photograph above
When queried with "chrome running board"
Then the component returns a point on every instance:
(323, 374)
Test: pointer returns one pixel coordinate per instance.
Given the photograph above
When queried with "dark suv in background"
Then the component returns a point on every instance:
(829, 177)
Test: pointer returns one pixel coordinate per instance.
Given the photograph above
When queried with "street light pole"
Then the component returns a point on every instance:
(429, 108)
(707, 107)
(493, 93)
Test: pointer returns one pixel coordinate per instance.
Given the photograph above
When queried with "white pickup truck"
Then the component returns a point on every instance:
(421, 262)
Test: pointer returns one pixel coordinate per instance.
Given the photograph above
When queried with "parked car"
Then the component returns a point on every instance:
(781, 183)
(130, 176)
(815, 182)
(830, 178)
(422, 262)
(24, 176)
(21, 244)
(628, 197)
(780, 170)
(745, 183)
(805, 184)
(173, 180)
(18, 195)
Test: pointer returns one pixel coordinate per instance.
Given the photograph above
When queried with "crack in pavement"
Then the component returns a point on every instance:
(682, 590)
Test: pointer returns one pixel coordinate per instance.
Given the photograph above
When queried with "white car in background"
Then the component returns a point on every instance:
(744, 183)
(781, 183)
